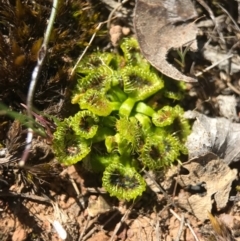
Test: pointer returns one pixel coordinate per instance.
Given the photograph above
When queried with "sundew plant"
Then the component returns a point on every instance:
(128, 120)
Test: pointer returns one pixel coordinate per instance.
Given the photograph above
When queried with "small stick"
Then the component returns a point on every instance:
(96, 190)
(186, 224)
(27, 196)
(80, 198)
(213, 65)
(110, 17)
(180, 230)
(84, 228)
(86, 237)
(233, 88)
(157, 229)
(87, 47)
(92, 38)
(210, 12)
(158, 186)
(118, 226)
(234, 22)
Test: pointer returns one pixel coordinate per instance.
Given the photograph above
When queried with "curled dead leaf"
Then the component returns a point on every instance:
(217, 179)
(157, 32)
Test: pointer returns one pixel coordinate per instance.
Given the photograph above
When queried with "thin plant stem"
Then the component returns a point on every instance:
(35, 75)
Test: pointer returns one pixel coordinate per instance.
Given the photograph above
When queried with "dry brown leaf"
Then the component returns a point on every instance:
(217, 135)
(156, 33)
(217, 179)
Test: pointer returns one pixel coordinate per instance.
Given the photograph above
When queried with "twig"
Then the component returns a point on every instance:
(210, 12)
(158, 186)
(118, 226)
(75, 187)
(96, 190)
(25, 195)
(180, 230)
(208, 9)
(80, 198)
(157, 232)
(186, 224)
(89, 234)
(87, 47)
(84, 228)
(113, 11)
(233, 88)
(234, 22)
(111, 4)
(35, 75)
(192, 231)
(213, 65)
(93, 36)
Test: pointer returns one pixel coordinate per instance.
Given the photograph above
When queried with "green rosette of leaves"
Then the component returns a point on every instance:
(128, 120)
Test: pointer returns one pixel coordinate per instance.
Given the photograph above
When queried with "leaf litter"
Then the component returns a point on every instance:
(211, 173)
(218, 135)
(211, 135)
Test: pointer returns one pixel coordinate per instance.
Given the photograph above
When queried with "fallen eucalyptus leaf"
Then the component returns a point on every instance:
(217, 178)
(156, 33)
(217, 135)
